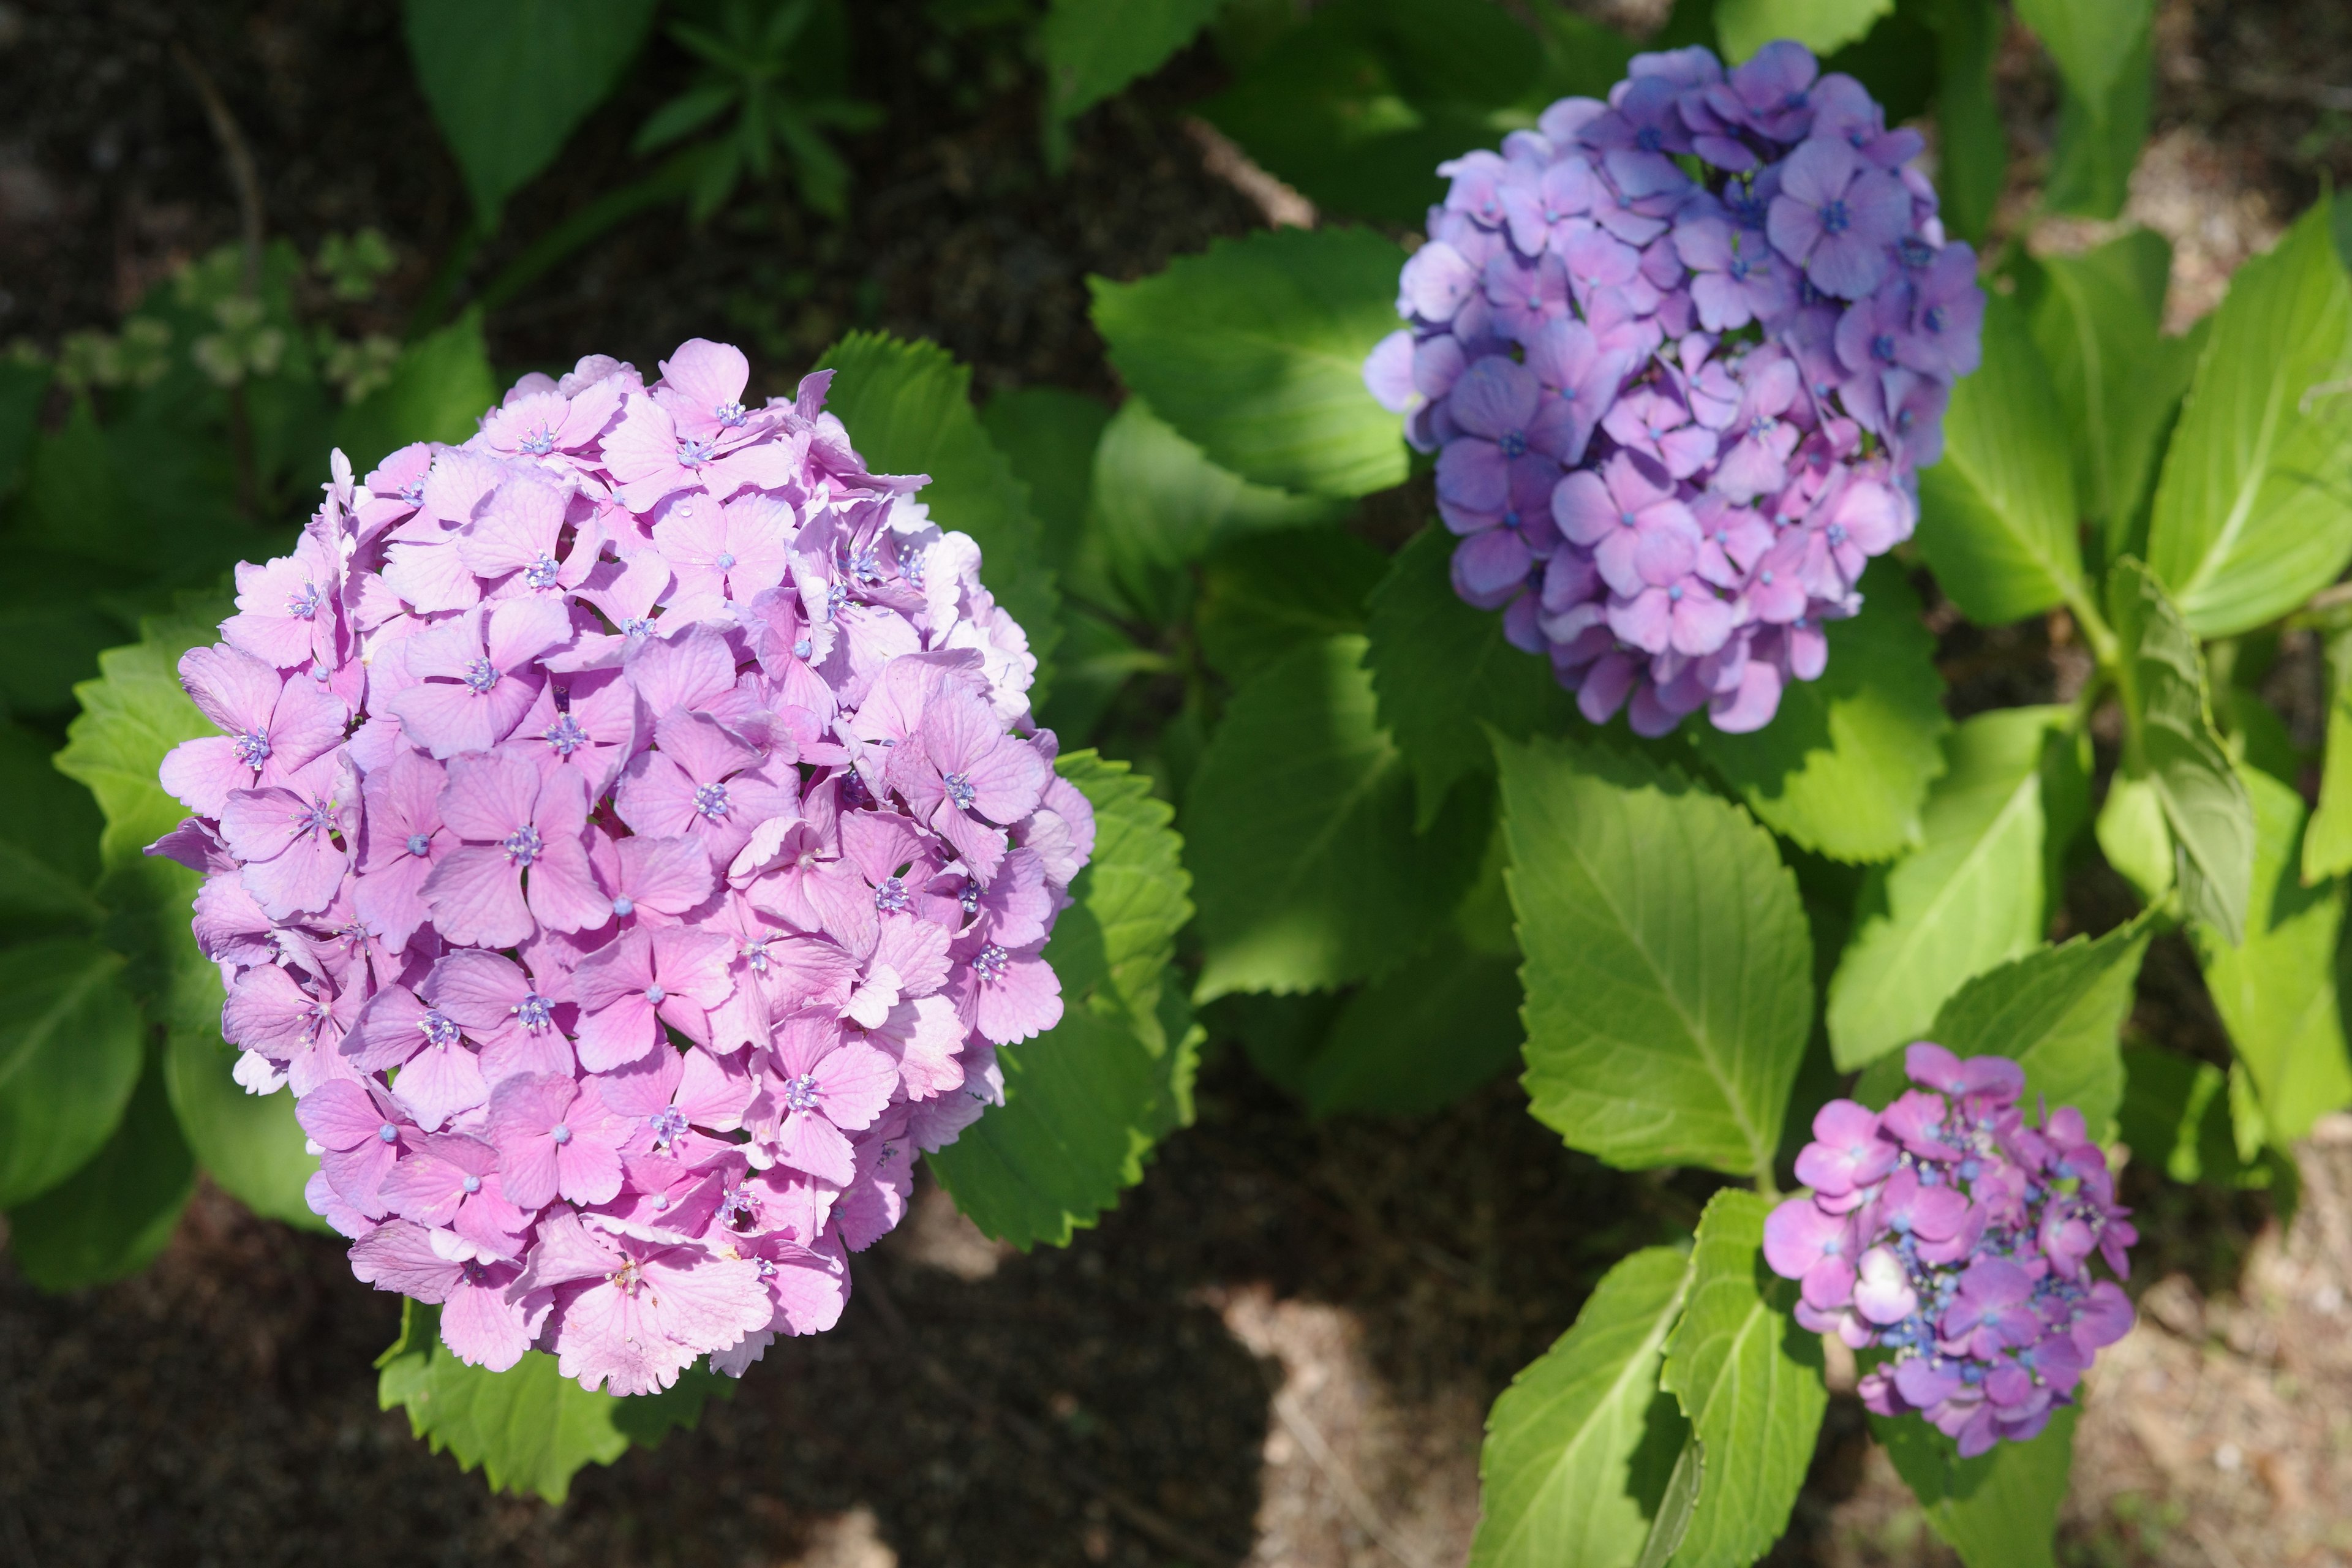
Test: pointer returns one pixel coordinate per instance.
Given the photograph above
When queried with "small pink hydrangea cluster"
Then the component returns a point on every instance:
(1680, 355)
(629, 838)
(1958, 1237)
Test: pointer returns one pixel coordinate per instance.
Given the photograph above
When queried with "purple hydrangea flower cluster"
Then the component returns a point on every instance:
(629, 838)
(1680, 355)
(1957, 1236)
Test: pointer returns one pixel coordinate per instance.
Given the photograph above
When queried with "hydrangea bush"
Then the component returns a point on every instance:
(1955, 1234)
(628, 838)
(1680, 355)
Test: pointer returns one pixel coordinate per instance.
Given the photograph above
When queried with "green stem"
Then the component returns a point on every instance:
(671, 182)
(1765, 1183)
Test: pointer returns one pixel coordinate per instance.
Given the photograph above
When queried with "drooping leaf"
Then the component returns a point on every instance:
(114, 1213)
(2327, 842)
(249, 1144)
(440, 387)
(1997, 514)
(1300, 826)
(2276, 991)
(1972, 144)
(2103, 50)
(71, 1047)
(530, 1428)
(2254, 509)
(2118, 380)
(1255, 351)
(1822, 25)
(1421, 1036)
(1357, 107)
(2133, 836)
(509, 83)
(1444, 674)
(1094, 48)
(1750, 1382)
(2058, 1011)
(1844, 766)
(1969, 897)
(2171, 742)
(48, 841)
(1998, 1510)
(908, 407)
(1157, 503)
(1669, 969)
(1086, 1101)
(1261, 597)
(1578, 1448)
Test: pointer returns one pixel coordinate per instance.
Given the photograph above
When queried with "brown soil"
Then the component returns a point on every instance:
(1280, 1350)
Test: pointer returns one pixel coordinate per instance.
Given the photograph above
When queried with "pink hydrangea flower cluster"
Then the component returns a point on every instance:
(1680, 355)
(1957, 1235)
(628, 838)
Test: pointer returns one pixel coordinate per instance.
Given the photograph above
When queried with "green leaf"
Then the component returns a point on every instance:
(908, 407)
(2118, 381)
(1972, 144)
(1256, 350)
(1578, 1448)
(2175, 1115)
(1845, 765)
(70, 1044)
(1969, 897)
(530, 1428)
(1094, 48)
(73, 499)
(1300, 823)
(1997, 514)
(1749, 1381)
(1419, 1037)
(2255, 510)
(2328, 843)
(1998, 1510)
(1444, 674)
(1822, 25)
(1085, 1101)
(24, 388)
(111, 1216)
(1261, 597)
(1685, 1482)
(439, 388)
(508, 83)
(2276, 991)
(2171, 744)
(249, 1144)
(49, 841)
(2133, 839)
(1047, 434)
(130, 717)
(1669, 969)
(2104, 52)
(1157, 503)
(2058, 1012)
(1357, 107)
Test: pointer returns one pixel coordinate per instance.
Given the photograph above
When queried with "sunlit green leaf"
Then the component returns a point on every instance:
(1998, 1510)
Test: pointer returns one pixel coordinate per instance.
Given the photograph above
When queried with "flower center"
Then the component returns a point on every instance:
(1933, 319)
(656, 994)
(419, 844)
(388, 1133)
(891, 895)
(565, 735)
(1883, 347)
(540, 574)
(624, 906)
(253, 747)
(473, 1185)
(1649, 139)
(960, 790)
(1835, 219)
(523, 845)
(533, 1011)
(990, 962)
(438, 1027)
(559, 1133)
(693, 454)
(710, 800)
(539, 442)
(481, 675)
(730, 414)
(668, 1125)
(305, 605)
(1514, 444)
(800, 1093)
(724, 561)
